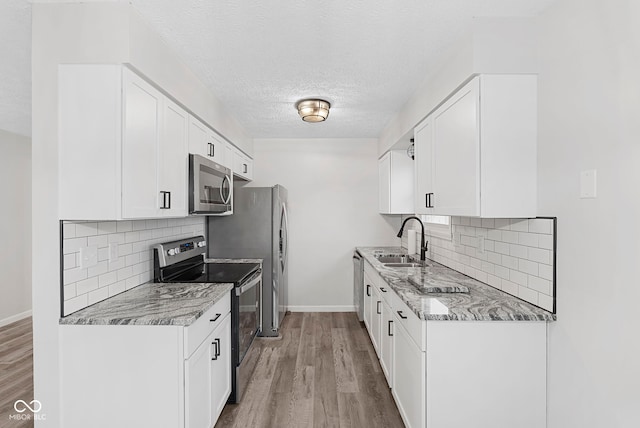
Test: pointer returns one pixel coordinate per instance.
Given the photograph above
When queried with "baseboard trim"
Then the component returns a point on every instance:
(339, 308)
(15, 318)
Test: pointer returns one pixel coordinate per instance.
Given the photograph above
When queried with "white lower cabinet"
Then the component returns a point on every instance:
(409, 373)
(208, 378)
(146, 375)
(449, 374)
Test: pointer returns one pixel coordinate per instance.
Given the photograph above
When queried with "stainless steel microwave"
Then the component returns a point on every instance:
(210, 187)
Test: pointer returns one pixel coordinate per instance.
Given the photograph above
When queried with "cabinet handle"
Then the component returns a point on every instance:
(389, 332)
(216, 352)
(383, 289)
(368, 287)
(244, 168)
(401, 316)
(428, 203)
(378, 307)
(212, 149)
(166, 200)
(215, 318)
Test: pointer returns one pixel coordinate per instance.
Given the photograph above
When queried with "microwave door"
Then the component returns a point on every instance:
(209, 186)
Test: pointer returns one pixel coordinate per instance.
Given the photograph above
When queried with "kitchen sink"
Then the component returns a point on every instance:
(402, 265)
(393, 259)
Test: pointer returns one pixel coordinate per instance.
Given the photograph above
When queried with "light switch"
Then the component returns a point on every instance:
(588, 184)
(88, 256)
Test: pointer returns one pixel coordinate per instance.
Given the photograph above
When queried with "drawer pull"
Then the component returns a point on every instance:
(215, 318)
(401, 316)
(378, 307)
(383, 289)
(389, 332)
(368, 287)
(216, 352)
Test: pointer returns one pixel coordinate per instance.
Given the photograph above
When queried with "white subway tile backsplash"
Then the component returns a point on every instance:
(83, 287)
(528, 295)
(545, 272)
(86, 229)
(517, 257)
(539, 225)
(528, 239)
(100, 241)
(518, 251)
(73, 245)
(124, 226)
(520, 225)
(540, 255)
(502, 248)
(107, 227)
(510, 236)
(98, 269)
(545, 241)
(86, 285)
(69, 261)
(518, 277)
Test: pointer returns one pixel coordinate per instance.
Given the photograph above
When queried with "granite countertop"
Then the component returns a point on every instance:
(481, 303)
(153, 304)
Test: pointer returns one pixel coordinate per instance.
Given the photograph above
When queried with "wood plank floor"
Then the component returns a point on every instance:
(16, 369)
(321, 372)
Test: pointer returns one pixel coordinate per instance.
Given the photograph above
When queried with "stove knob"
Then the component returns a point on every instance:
(202, 244)
(177, 250)
(171, 252)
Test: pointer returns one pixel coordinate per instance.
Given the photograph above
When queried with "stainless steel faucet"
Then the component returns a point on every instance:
(423, 243)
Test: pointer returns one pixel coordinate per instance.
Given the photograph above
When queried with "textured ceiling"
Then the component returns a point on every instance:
(260, 57)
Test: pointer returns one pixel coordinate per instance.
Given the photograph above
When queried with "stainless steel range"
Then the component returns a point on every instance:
(183, 261)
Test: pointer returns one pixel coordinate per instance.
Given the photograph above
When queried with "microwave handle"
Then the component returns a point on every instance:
(228, 180)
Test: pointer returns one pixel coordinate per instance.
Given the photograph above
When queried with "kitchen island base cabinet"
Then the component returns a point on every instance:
(146, 375)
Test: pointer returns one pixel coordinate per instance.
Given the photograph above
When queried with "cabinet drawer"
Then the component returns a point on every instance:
(369, 270)
(416, 327)
(385, 291)
(197, 332)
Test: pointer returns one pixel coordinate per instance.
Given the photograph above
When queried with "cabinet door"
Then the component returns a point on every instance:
(218, 149)
(456, 151)
(198, 137)
(368, 298)
(141, 134)
(376, 319)
(242, 165)
(173, 168)
(386, 342)
(424, 165)
(384, 184)
(220, 368)
(198, 386)
(409, 379)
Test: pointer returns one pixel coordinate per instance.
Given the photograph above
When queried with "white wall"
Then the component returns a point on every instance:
(333, 205)
(589, 118)
(15, 226)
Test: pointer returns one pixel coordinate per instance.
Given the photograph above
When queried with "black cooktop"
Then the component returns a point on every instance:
(235, 273)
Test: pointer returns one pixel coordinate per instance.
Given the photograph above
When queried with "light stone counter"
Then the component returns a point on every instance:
(481, 303)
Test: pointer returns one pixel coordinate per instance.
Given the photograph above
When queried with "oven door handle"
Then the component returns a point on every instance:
(249, 285)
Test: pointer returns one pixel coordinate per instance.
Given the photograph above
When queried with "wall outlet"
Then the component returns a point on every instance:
(113, 252)
(588, 184)
(88, 256)
(481, 244)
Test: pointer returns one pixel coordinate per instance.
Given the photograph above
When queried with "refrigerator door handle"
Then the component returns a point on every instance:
(284, 226)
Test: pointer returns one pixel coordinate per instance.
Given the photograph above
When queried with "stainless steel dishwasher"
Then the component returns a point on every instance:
(358, 279)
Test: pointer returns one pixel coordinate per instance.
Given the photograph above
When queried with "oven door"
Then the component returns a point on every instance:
(209, 186)
(248, 295)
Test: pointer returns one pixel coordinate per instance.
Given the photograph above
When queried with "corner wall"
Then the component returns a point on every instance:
(333, 207)
(589, 105)
(15, 227)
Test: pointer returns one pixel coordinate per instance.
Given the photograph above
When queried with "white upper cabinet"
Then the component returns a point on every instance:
(396, 183)
(123, 146)
(242, 165)
(476, 153)
(205, 142)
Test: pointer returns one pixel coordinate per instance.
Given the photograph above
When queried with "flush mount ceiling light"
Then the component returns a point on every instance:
(313, 110)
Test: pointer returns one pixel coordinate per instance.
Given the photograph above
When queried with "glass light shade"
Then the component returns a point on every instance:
(313, 110)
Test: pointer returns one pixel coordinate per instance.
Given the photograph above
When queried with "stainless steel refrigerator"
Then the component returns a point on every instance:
(258, 228)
